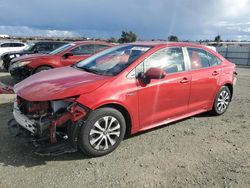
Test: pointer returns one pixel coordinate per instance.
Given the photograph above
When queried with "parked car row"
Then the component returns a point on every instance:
(68, 54)
(122, 90)
(37, 47)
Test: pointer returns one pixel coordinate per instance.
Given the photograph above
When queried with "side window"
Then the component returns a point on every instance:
(213, 60)
(55, 46)
(43, 47)
(17, 45)
(198, 58)
(171, 60)
(84, 50)
(100, 47)
(6, 45)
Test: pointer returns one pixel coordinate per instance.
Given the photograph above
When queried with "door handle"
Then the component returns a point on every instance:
(184, 80)
(215, 73)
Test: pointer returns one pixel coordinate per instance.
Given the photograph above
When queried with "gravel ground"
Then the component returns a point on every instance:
(201, 151)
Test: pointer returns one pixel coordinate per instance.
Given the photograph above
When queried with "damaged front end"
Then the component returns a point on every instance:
(51, 126)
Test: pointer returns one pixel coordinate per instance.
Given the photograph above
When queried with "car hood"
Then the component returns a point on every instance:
(30, 57)
(58, 84)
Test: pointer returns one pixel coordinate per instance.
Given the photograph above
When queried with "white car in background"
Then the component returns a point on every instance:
(11, 47)
(212, 48)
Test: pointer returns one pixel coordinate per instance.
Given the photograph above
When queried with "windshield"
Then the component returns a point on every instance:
(62, 48)
(112, 61)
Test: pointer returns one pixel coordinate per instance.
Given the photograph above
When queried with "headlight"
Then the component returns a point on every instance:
(20, 64)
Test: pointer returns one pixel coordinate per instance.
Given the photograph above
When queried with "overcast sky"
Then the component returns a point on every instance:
(150, 19)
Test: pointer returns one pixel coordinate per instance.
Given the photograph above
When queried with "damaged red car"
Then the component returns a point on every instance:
(120, 91)
(68, 54)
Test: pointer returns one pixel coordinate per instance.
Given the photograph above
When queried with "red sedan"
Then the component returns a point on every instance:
(24, 66)
(122, 90)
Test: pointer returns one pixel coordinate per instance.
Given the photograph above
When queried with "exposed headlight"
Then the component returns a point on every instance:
(20, 64)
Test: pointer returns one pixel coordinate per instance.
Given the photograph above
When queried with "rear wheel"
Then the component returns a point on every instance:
(102, 133)
(43, 68)
(222, 101)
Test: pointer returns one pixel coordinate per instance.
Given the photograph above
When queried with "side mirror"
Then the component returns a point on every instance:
(68, 55)
(152, 73)
(155, 73)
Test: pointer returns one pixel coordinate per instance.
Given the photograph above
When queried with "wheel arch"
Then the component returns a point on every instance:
(230, 87)
(124, 112)
(45, 65)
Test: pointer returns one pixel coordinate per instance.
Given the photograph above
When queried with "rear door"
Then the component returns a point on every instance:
(205, 78)
(165, 98)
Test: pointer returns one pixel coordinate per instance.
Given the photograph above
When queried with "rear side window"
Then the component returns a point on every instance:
(198, 58)
(86, 49)
(213, 60)
(5, 45)
(100, 47)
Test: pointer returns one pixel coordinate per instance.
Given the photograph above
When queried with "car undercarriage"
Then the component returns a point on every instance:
(51, 126)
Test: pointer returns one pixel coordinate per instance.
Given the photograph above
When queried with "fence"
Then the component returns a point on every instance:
(238, 55)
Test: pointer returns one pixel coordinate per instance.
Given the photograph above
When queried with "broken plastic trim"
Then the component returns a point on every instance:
(5, 89)
(55, 143)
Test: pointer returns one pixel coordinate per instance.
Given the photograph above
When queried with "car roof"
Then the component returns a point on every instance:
(12, 42)
(165, 43)
(51, 42)
(93, 42)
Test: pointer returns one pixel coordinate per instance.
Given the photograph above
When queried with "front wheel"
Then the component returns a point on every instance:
(222, 101)
(102, 132)
(42, 68)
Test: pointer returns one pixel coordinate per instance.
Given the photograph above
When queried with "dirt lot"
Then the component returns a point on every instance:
(201, 151)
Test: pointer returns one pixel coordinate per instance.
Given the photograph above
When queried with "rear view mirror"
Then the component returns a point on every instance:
(68, 55)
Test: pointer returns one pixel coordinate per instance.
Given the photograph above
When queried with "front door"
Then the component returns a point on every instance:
(165, 98)
(77, 54)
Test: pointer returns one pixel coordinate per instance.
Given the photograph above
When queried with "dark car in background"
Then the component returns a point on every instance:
(69, 54)
(37, 47)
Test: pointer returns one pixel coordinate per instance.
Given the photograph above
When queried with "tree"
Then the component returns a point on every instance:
(217, 39)
(127, 37)
(173, 38)
(112, 40)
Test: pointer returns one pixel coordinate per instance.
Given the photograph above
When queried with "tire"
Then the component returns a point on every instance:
(222, 101)
(6, 62)
(102, 132)
(42, 68)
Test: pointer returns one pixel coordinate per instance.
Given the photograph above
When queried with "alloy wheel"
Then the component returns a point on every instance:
(223, 101)
(104, 133)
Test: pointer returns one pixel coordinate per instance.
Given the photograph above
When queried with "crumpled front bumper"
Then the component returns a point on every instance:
(38, 131)
(35, 127)
(20, 73)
